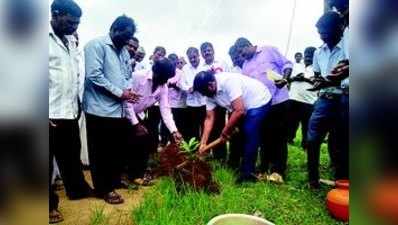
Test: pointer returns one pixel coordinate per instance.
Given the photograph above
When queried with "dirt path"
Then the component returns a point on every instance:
(84, 212)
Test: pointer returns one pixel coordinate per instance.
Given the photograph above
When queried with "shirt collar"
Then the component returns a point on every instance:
(51, 30)
(108, 40)
(339, 45)
(57, 39)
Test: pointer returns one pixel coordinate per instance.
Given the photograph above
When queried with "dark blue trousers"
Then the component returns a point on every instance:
(252, 125)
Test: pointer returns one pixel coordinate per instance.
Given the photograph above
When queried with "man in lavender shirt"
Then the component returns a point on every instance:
(259, 60)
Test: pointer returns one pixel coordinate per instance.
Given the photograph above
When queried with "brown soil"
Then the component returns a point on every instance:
(184, 170)
(80, 212)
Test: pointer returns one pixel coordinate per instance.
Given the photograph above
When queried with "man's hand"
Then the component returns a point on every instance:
(298, 77)
(202, 149)
(126, 95)
(140, 130)
(130, 96)
(280, 83)
(177, 137)
(340, 72)
(134, 97)
(174, 85)
(52, 124)
(320, 83)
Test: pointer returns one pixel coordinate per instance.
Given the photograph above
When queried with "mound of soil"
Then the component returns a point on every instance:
(186, 170)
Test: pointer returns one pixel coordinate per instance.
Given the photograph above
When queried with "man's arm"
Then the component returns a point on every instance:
(285, 66)
(208, 126)
(237, 114)
(94, 64)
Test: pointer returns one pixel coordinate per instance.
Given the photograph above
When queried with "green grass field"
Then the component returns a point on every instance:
(291, 203)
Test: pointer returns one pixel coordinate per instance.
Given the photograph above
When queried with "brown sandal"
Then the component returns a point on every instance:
(143, 181)
(113, 198)
(55, 217)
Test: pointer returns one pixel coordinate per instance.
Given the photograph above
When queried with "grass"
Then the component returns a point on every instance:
(291, 203)
(98, 217)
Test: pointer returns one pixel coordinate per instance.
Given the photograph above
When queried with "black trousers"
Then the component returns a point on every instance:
(299, 113)
(194, 121)
(139, 148)
(273, 154)
(179, 116)
(108, 142)
(53, 199)
(65, 147)
(153, 124)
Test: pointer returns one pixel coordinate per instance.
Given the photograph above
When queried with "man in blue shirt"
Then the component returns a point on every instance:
(327, 114)
(108, 72)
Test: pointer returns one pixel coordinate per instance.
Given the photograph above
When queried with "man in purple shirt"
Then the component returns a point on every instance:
(258, 62)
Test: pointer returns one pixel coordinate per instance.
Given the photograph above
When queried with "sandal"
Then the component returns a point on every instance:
(143, 181)
(55, 217)
(113, 198)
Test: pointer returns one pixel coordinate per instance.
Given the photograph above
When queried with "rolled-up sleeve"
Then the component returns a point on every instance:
(315, 63)
(94, 65)
(165, 110)
(282, 62)
(130, 112)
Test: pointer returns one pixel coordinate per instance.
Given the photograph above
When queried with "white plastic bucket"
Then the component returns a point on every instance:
(238, 219)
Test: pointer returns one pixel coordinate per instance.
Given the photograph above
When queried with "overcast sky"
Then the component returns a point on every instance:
(178, 24)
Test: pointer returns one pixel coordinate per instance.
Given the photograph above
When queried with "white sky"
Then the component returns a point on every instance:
(179, 24)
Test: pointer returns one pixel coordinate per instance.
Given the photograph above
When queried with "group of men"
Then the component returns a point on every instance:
(256, 104)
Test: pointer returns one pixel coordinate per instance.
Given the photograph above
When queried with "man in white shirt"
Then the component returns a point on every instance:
(64, 106)
(301, 100)
(196, 103)
(132, 48)
(139, 57)
(248, 100)
(207, 52)
(298, 65)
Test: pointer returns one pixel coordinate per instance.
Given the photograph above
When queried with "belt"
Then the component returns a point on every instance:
(330, 96)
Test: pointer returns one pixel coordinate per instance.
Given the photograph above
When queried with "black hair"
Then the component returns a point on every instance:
(339, 3)
(232, 51)
(122, 22)
(242, 42)
(159, 48)
(173, 58)
(135, 39)
(164, 68)
(205, 45)
(330, 19)
(202, 80)
(192, 49)
(65, 7)
(298, 53)
(309, 50)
